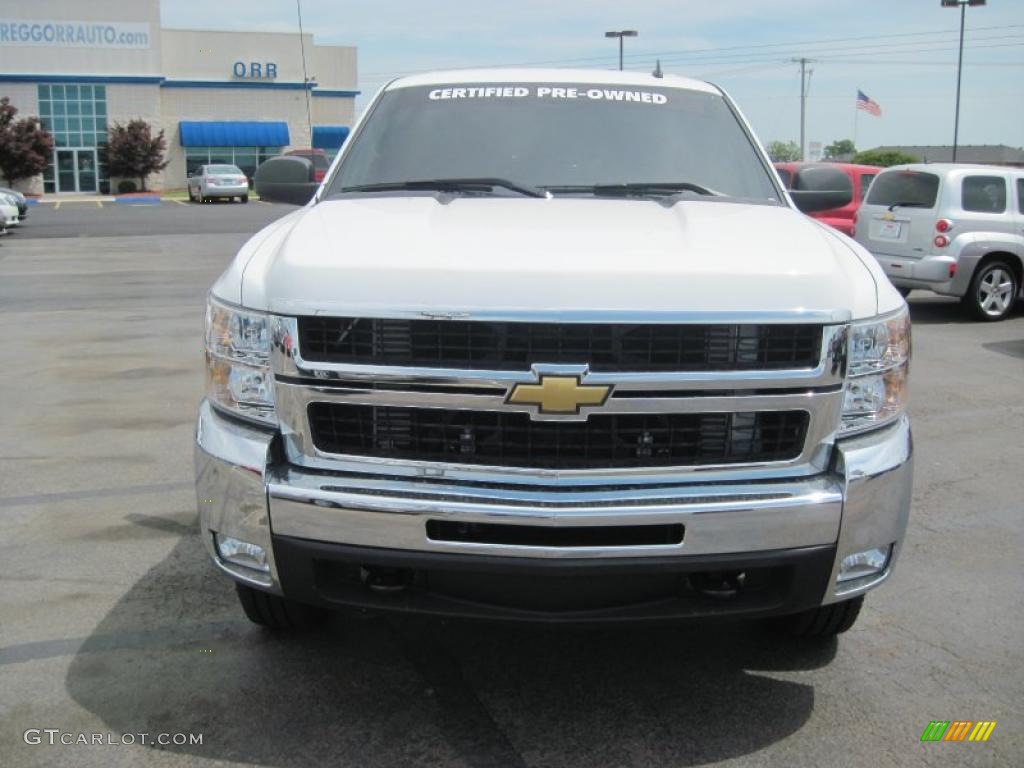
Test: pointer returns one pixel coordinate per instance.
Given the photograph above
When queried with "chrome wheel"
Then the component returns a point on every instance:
(994, 289)
(996, 292)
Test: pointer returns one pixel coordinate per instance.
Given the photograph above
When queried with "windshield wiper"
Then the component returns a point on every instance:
(666, 193)
(908, 204)
(482, 184)
(625, 189)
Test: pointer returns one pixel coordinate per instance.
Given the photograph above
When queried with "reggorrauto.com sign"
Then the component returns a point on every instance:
(74, 34)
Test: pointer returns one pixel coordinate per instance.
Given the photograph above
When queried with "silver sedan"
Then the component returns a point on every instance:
(210, 181)
(8, 212)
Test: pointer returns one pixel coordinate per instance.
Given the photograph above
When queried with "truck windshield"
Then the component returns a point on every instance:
(568, 138)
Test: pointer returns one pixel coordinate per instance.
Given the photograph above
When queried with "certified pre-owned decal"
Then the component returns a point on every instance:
(546, 92)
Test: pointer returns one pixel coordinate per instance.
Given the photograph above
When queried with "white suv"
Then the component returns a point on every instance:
(952, 229)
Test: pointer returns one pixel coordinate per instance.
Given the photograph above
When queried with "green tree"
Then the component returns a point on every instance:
(884, 157)
(840, 148)
(25, 146)
(783, 151)
(133, 150)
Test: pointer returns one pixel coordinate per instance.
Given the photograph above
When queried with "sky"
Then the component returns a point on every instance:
(901, 53)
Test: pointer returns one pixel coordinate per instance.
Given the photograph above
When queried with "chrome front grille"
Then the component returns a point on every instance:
(740, 398)
(496, 345)
(515, 440)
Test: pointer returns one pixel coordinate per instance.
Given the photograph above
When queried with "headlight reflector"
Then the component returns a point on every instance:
(879, 344)
(238, 375)
(876, 385)
(237, 334)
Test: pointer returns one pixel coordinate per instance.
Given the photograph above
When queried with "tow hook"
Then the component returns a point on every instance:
(385, 579)
(720, 585)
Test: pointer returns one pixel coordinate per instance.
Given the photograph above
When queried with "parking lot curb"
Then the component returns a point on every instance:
(138, 199)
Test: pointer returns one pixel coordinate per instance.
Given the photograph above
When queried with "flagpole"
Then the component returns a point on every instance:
(856, 109)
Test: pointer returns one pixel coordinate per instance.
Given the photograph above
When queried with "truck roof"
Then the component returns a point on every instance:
(537, 75)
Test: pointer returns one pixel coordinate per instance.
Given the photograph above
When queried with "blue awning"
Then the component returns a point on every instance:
(233, 134)
(329, 136)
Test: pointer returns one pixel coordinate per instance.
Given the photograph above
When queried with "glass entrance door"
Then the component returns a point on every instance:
(76, 170)
(67, 178)
(86, 165)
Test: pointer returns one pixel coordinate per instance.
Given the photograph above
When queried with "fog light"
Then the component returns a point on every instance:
(238, 552)
(861, 564)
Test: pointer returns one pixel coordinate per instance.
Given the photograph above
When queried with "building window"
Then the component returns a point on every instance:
(76, 115)
(246, 158)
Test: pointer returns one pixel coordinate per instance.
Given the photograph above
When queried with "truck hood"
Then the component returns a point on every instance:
(395, 255)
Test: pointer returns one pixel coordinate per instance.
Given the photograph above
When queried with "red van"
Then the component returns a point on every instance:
(826, 176)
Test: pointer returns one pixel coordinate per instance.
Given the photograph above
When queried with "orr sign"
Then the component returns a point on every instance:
(255, 70)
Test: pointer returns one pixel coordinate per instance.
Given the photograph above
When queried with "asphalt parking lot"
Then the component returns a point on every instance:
(112, 621)
(91, 218)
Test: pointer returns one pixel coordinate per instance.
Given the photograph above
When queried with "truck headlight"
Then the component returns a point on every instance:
(238, 375)
(876, 385)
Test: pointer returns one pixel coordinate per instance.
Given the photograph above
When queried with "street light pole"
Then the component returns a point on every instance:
(962, 4)
(621, 34)
(803, 106)
(803, 61)
(305, 75)
(959, 73)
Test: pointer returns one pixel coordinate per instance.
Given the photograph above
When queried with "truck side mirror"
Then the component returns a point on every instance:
(810, 200)
(820, 188)
(286, 179)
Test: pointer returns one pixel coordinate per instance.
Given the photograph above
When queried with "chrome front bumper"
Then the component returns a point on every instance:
(246, 491)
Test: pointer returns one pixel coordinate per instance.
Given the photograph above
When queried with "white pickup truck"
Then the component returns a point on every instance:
(557, 346)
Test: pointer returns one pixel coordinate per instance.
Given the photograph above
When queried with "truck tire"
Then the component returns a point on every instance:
(277, 612)
(824, 621)
(980, 300)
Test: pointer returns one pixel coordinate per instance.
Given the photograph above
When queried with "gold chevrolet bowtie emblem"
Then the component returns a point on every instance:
(559, 394)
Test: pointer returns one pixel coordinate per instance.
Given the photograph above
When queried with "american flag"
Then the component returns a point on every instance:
(868, 105)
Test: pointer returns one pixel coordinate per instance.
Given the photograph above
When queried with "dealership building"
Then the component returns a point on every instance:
(219, 97)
